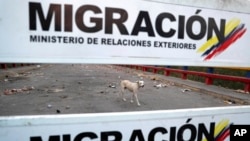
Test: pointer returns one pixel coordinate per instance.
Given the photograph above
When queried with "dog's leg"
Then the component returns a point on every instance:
(132, 97)
(123, 98)
(136, 98)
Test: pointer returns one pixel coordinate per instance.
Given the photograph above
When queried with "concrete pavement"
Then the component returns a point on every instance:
(216, 91)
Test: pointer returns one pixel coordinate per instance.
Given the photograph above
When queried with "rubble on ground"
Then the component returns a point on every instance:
(25, 89)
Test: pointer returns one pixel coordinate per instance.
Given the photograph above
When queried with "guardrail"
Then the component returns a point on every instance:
(209, 77)
(5, 66)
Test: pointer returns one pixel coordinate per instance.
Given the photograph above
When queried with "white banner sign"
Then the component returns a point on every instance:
(207, 124)
(122, 32)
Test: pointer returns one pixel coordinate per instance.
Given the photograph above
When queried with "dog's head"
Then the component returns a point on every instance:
(140, 83)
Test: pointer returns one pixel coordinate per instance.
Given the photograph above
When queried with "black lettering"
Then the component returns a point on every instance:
(80, 21)
(190, 27)
(89, 135)
(105, 136)
(194, 46)
(192, 129)
(109, 21)
(38, 138)
(212, 27)
(68, 14)
(33, 38)
(203, 131)
(71, 40)
(44, 39)
(53, 39)
(80, 40)
(181, 27)
(66, 138)
(151, 136)
(137, 134)
(159, 25)
(143, 15)
(51, 138)
(36, 8)
(172, 134)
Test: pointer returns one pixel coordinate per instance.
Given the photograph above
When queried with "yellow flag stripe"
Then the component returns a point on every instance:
(229, 27)
(218, 128)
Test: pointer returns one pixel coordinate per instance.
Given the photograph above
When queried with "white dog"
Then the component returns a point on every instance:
(132, 87)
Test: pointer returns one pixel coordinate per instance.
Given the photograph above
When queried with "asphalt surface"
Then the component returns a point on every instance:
(69, 89)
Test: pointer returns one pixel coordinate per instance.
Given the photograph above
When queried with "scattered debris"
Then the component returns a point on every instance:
(229, 102)
(172, 83)
(49, 105)
(28, 88)
(64, 96)
(39, 74)
(58, 111)
(161, 85)
(185, 90)
(54, 90)
(11, 74)
(25, 74)
(241, 91)
(112, 85)
(154, 78)
(19, 90)
(140, 75)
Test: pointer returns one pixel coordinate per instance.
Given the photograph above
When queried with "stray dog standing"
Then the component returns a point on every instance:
(132, 87)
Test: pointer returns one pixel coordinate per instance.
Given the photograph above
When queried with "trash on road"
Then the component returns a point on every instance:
(25, 89)
(58, 111)
(161, 85)
(241, 91)
(56, 90)
(64, 96)
(49, 105)
(112, 85)
(153, 77)
(229, 102)
(185, 90)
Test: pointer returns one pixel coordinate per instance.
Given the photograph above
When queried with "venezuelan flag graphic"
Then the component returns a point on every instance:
(213, 47)
(222, 131)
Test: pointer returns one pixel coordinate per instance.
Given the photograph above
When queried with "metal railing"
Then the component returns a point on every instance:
(209, 76)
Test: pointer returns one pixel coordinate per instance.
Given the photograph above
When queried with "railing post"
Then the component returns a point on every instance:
(209, 80)
(155, 70)
(3, 66)
(247, 85)
(184, 75)
(167, 72)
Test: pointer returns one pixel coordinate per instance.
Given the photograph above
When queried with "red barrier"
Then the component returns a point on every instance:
(5, 66)
(208, 76)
